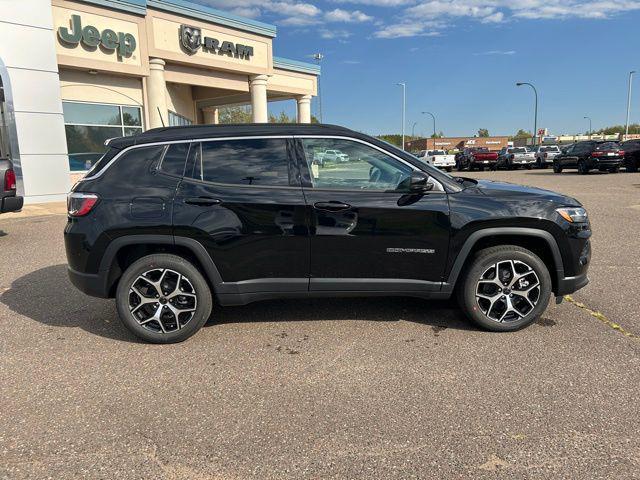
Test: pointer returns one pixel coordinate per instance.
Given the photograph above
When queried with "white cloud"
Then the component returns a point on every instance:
(406, 29)
(331, 34)
(497, 52)
(339, 15)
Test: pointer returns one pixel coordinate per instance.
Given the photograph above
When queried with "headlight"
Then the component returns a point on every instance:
(574, 214)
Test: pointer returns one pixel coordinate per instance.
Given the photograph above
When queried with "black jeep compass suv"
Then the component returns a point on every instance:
(170, 218)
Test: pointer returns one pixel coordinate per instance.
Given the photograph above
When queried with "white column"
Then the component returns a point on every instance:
(157, 93)
(211, 115)
(304, 109)
(258, 88)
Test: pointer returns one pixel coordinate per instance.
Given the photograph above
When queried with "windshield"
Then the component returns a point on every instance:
(518, 150)
(549, 149)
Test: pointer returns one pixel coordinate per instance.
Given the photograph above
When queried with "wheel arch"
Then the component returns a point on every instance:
(540, 242)
(125, 250)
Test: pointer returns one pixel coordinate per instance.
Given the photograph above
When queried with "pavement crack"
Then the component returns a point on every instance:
(603, 319)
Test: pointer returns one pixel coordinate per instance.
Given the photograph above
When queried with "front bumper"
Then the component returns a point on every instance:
(569, 285)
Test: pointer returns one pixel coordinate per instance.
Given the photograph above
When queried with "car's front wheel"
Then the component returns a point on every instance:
(505, 288)
(163, 298)
(556, 167)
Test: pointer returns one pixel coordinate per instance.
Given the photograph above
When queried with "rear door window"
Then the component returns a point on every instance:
(174, 159)
(251, 161)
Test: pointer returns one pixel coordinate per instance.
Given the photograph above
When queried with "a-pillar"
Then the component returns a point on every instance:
(211, 115)
(258, 89)
(157, 93)
(304, 109)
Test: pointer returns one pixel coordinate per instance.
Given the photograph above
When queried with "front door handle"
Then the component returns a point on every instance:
(202, 201)
(331, 206)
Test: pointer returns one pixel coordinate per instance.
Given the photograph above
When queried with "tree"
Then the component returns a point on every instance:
(393, 139)
(522, 134)
(483, 132)
(229, 115)
(437, 135)
(633, 128)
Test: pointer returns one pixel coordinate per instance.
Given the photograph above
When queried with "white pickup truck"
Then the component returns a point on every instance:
(514, 157)
(545, 154)
(438, 158)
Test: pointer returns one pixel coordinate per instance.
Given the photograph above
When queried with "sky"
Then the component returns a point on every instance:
(461, 60)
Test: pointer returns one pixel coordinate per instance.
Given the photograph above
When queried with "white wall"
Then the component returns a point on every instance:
(27, 50)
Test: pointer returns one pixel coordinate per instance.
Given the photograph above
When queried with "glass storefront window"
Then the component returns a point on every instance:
(88, 125)
(176, 120)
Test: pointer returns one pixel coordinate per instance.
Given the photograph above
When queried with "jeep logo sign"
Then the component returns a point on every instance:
(123, 43)
(191, 40)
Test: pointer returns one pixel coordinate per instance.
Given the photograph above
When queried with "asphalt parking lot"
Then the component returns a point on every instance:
(350, 388)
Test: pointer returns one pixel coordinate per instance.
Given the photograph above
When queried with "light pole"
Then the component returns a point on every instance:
(535, 113)
(404, 107)
(434, 127)
(589, 118)
(318, 58)
(626, 128)
(413, 129)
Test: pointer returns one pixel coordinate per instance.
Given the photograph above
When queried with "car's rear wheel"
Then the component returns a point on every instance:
(614, 169)
(582, 167)
(505, 288)
(163, 298)
(556, 167)
(448, 169)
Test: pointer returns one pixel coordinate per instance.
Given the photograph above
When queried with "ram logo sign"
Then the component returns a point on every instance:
(191, 40)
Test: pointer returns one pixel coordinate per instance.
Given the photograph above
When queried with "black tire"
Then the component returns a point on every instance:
(483, 262)
(614, 169)
(529, 166)
(175, 330)
(539, 163)
(582, 167)
(556, 167)
(449, 169)
(632, 167)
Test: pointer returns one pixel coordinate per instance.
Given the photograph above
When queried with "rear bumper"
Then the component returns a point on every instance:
(11, 204)
(95, 285)
(605, 162)
(569, 285)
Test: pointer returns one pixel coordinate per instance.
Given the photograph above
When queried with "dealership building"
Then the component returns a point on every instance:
(456, 143)
(75, 73)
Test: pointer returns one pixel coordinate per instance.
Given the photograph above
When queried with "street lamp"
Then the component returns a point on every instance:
(404, 107)
(626, 128)
(434, 127)
(413, 129)
(589, 118)
(318, 58)
(535, 113)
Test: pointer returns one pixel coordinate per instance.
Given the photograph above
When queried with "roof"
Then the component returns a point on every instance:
(194, 132)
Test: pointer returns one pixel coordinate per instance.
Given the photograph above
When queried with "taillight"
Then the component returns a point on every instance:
(512, 156)
(545, 154)
(621, 153)
(9, 180)
(79, 204)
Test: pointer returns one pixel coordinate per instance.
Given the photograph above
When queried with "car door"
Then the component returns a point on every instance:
(567, 159)
(242, 200)
(367, 232)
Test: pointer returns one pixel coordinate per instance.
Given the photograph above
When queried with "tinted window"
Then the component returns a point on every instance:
(608, 146)
(243, 162)
(174, 159)
(362, 168)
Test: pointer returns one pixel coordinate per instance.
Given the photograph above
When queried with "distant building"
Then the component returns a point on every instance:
(457, 143)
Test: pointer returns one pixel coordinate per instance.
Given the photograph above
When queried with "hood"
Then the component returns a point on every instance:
(504, 190)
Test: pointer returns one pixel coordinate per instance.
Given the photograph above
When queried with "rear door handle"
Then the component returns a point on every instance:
(202, 201)
(331, 206)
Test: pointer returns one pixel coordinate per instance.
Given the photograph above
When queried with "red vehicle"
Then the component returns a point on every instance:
(476, 157)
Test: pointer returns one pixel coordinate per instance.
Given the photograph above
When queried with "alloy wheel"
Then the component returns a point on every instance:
(162, 300)
(508, 291)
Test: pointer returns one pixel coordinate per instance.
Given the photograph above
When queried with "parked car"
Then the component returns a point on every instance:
(631, 150)
(476, 157)
(545, 154)
(171, 218)
(438, 158)
(334, 156)
(514, 157)
(590, 155)
(9, 200)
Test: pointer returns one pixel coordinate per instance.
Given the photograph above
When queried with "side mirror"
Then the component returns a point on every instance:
(419, 183)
